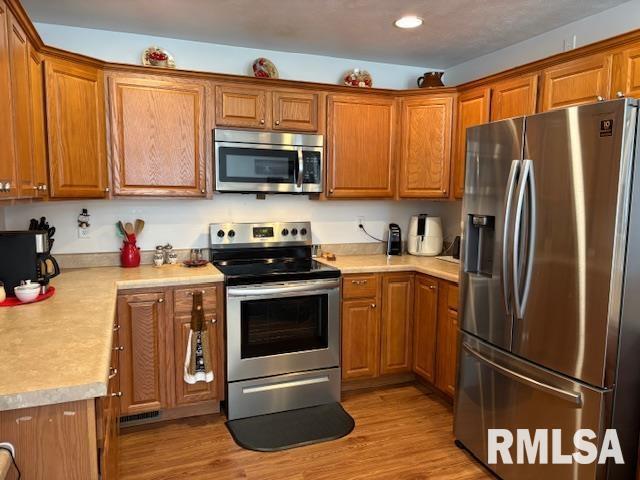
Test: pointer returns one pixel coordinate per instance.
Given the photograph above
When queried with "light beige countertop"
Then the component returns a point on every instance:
(58, 350)
(382, 263)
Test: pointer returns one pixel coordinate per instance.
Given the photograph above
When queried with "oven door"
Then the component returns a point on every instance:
(249, 167)
(279, 328)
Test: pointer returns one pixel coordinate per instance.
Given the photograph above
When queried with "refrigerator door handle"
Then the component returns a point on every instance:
(572, 397)
(511, 185)
(526, 180)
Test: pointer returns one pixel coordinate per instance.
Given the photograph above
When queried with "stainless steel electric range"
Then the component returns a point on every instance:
(283, 318)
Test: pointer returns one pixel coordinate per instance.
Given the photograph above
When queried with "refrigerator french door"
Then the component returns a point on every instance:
(549, 322)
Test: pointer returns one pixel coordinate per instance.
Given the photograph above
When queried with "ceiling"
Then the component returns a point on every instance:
(454, 30)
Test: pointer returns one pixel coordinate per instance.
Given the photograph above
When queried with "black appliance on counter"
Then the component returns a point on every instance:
(394, 241)
(283, 318)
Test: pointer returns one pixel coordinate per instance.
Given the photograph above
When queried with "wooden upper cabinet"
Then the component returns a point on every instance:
(397, 323)
(360, 339)
(76, 129)
(295, 111)
(426, 147)
(626, 67)
(514, 97)
(21, 95)
(143, 360)
(360, 146)
(38, 130)
(8, 174)
(238, 106)
(424, 327)
(473, 109)
(158, 136)
(580, 81)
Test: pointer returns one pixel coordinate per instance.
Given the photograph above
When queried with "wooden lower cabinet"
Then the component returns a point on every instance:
(360, 339)
(446, 340)
(397, 323)
(154, 328)
(424, 327)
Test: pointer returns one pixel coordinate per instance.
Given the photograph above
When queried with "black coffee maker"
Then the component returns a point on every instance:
(394, 240)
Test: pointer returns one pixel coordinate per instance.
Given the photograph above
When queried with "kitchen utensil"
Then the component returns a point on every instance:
(28, 292)
(128, 228)
(138, 226)
(51, 232)
(430, 80)
(425, 235)
(121, 230)
(394, 240)
(33, 224)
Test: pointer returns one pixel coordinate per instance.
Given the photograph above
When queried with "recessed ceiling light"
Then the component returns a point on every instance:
(408, 21)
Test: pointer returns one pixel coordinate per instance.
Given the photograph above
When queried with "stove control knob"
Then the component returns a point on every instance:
(231, 233)
(303, 232)
(220, 233)
(294, 231)
(285, 232)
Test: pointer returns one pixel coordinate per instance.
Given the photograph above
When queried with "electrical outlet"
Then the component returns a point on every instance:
(360, 221)
(84, 233)
(569, 43)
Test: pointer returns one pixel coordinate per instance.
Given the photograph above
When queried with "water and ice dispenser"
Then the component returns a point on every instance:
(480, 231)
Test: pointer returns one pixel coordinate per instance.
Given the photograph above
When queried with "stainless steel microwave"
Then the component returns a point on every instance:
(267, 162)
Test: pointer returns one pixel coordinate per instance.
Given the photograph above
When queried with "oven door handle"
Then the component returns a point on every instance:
(319, 287)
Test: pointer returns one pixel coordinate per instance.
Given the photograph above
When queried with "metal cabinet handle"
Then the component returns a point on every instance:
(191, 293)
(573, 397)
(214, 320)
(277, 122)
(116, 328)
(42, 187)
(359, 282)
(432, 287)
(373, 305)
(35, 187)
(262, 121)
(107, 190)
(600, 98)
(620, 94)
(112, 373)
(160, 300)
(331, 190)
(118, 349)
(116, 394)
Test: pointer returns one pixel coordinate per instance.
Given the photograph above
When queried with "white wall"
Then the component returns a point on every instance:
(184, 223)
(606, 24)
(128, 47)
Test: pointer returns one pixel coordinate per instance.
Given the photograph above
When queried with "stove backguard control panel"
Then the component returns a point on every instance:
(222, 235)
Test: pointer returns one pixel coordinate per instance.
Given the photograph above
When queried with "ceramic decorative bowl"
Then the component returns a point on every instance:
(157, 57)
(27, 293)
(264, 68)
(358, 78)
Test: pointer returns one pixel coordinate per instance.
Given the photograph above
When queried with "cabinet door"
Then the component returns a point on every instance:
(627, 72)
(238, 106)
(514, 97)
(424, 327)
(397, 323)
(158, 136)
(426, 147)
(201, 391)
(360, 339)
(38, 131)
(8, 177)
(580, 81)
(76, 128)
(20, 93)
(360, 146)
(143, 362)
(473, 109)
(297, 111)
(447, 342)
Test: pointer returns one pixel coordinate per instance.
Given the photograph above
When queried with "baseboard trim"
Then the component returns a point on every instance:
(203, 408)
(382, 381)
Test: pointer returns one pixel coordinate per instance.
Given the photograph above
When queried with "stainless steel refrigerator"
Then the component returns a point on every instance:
(550, 284)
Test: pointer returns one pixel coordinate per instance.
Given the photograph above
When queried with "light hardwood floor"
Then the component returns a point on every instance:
(401, 433)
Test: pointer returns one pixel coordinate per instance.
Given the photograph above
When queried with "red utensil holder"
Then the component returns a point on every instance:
(129, 255)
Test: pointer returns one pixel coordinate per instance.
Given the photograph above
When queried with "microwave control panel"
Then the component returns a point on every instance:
(312, 166)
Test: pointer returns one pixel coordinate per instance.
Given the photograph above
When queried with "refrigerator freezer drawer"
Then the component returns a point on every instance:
(498, 390)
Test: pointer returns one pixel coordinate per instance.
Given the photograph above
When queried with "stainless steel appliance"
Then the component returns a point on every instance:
(550, 275)
(268, 162)
(283, 318)
(24, 255)
(425, 235)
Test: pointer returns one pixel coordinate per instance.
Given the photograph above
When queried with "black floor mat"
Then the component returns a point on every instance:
(294, 428)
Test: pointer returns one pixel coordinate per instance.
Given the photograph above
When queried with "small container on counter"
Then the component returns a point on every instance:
(3, 293)
(158, 258)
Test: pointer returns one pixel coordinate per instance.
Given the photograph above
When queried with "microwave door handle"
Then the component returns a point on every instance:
(300, 176)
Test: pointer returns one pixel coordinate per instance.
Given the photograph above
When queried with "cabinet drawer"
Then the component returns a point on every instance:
(452, 297)
(182, 299)
(360, 286)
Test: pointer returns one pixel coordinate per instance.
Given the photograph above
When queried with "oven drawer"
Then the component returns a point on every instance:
(183, 299)
(283, 392)
(360, 286)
